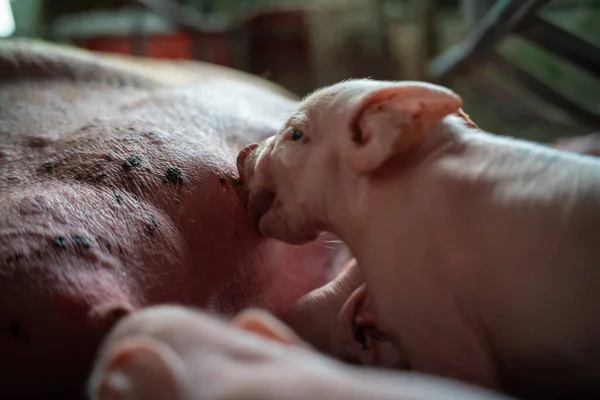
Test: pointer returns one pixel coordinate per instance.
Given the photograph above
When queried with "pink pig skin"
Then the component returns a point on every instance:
(480, 252)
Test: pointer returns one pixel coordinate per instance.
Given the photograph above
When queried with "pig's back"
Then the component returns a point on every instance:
(531, 216)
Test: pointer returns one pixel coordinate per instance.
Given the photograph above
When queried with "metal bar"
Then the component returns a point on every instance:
(473, 11)
(565, 44)
(503, 94)
(504, 17)
(427, 14)
(542, 90)
(387, 70)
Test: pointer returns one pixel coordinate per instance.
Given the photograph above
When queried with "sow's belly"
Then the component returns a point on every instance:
(112, 200)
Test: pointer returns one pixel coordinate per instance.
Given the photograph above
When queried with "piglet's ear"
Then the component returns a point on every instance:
(393, 119)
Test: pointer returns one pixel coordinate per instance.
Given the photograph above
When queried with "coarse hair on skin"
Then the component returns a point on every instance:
(324, 95)
(25, 58)
(323, 88)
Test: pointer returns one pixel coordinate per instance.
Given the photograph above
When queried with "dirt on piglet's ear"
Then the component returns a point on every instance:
(463, 115)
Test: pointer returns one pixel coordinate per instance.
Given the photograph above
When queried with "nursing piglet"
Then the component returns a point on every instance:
(481, 253)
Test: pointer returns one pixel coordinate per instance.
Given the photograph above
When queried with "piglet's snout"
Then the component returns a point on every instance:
(259, 203)
(252, 170)
(242, 158)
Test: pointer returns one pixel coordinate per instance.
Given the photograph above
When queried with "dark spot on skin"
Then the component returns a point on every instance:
(88, 126)
(103, 242)
(132, 161)
(152, 224)
(238, 182)
(173, 175)
(49, 166)
(100, 176)
(108, 157)
(14, 258)
(15, 330)
(117, 196)
(60, 241)
(81, 241)
(222, 180)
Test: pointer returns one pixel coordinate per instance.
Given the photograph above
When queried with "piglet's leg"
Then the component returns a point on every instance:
(174, 353)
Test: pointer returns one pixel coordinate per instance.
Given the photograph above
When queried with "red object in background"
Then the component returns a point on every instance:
(279, 47)
(212, 47)
(174, 46)
(215, 47)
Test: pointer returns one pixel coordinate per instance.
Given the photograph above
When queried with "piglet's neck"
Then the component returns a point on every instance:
(352, 206)
(447, 136)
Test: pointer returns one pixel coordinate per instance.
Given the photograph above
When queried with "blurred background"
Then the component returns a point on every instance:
(526, 68)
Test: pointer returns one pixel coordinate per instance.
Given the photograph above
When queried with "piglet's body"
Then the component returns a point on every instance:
(481, 254)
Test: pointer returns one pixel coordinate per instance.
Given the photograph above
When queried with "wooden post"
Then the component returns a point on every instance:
(426, 18)
(388, 68)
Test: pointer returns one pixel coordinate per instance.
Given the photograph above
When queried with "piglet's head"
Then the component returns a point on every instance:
(338, 135)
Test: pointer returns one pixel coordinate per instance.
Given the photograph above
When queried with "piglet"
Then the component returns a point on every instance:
(481, 253)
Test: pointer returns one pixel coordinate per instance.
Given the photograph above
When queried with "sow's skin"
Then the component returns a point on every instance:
(119, 190)
(480, 253)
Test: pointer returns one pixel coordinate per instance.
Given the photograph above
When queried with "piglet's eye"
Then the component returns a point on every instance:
(297, 134)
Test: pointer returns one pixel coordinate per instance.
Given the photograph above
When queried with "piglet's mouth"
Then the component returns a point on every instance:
(259, 203)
